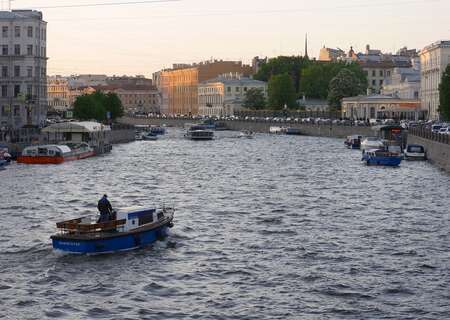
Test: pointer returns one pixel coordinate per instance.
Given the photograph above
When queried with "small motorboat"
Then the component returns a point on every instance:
(381, 157)
(293, 131)
(246, 134)
(138, 136)
(353, 142)
(158, 130)
(371, 143)
(415, 152)
(129, 229)
(199, 132)
(149, 136)
(55, 154)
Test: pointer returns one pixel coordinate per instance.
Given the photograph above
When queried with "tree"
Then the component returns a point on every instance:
(345, 84)
(281, 65)
(281, 92)
(444, 95)
(96, 105)
(317, 76)
(255, 99)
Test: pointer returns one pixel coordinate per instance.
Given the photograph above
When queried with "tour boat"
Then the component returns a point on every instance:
(199, 132)
(353, 142)
(246, 134)
(129, 228)
(415, 152)
(381, 157)
(371, 143)
(55, 154)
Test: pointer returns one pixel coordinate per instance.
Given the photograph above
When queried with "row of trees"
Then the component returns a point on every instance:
(444, 95)
(98, 106)
(290, 78)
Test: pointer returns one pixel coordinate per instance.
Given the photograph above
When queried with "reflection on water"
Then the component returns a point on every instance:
(276, 227)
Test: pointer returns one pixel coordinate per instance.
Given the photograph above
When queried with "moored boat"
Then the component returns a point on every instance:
(199, 132)
(55, 154)
(353, 142)
(149, 136)
(157, 130)
(293, 131)
(381, 157)
(130, 229)
(415, 152)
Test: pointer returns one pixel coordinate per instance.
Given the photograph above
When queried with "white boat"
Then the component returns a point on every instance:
(198, 132)
(246, 134)
(369, 143)
(415, 152)
(149, 136)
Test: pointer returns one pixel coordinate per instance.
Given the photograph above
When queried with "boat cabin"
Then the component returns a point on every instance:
(46, 151)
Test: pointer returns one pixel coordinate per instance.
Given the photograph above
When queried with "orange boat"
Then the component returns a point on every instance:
(55, 154)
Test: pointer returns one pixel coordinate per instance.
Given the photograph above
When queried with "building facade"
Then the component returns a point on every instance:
(179, 85)
(23, 64)
(381, 107)
(58, 93)
(404, 84)
(330, 54)
(434, 59)
(135, 98)
(226, 94)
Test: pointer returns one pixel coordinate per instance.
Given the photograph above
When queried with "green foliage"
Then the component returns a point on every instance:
(345, 84)
(255, 99)
(95, 106)
(281, 92)
(317, 76)
(444, 95)
(281, 65)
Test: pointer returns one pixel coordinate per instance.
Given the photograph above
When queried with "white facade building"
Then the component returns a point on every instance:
(23, 68)
(434, 59)
(58, 93)
(404, 82)
(226, 94)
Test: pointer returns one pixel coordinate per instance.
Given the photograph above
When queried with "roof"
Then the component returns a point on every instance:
(82, 126)
(377, 97)
(21, 14)
(234, 81)
(127, 87)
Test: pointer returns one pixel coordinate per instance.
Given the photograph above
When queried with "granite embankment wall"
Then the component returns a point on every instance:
(438, 153)
(122, 133)
(263, 127)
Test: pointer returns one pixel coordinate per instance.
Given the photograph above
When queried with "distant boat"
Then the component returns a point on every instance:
(381, 157)
(276, 130)
(128, 229)
(293, 131)
(246, 134)
(55, 154)
(369, 143)
(353, 142)
(415, 152)
(149, 136)
(199, 132)
(157, 130)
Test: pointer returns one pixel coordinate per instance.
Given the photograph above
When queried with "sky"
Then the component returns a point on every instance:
(142, 38)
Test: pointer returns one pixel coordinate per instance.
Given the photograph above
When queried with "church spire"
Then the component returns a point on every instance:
(306, 46)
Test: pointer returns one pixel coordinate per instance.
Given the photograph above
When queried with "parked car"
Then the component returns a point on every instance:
(444, 130)
(436, 128)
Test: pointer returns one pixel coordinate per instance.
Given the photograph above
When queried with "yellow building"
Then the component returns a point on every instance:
(58, 93)
(179, 86)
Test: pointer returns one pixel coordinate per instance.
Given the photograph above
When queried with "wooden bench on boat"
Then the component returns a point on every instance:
(76, 226)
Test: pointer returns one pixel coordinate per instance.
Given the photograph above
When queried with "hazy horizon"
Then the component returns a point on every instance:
(144, 38)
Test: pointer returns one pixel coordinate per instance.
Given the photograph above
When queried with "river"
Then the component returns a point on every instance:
(276, 227)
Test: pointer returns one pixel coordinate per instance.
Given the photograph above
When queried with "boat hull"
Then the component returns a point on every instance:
(115, 243)
(384, 161)
(53, 160)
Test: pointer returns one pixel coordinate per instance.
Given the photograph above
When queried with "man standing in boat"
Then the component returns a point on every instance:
(105, 208)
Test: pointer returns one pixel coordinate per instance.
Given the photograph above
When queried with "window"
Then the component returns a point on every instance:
(228, 89)
(5, 111)
(416, 94)
(29, 90)
(30, 50)
(16, 90)
(4, 71)
(17, 49)
(4, 50)
(388, 73)
(16, 111)
(381, 83)
(4, 90)
(381, 73)
(374, 73)
(36, 50)
(29, 72)
(245, 89)
(374, 83)
(16, 71)
(17, 32)
(238, 89)
(36, 33)
(5, 31)
(30, 32)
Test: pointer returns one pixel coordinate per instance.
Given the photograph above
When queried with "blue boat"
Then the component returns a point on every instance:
(157, 130)
(129, 229)
(381, 157)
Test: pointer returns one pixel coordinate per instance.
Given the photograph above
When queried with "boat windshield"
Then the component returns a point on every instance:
(416, 149)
